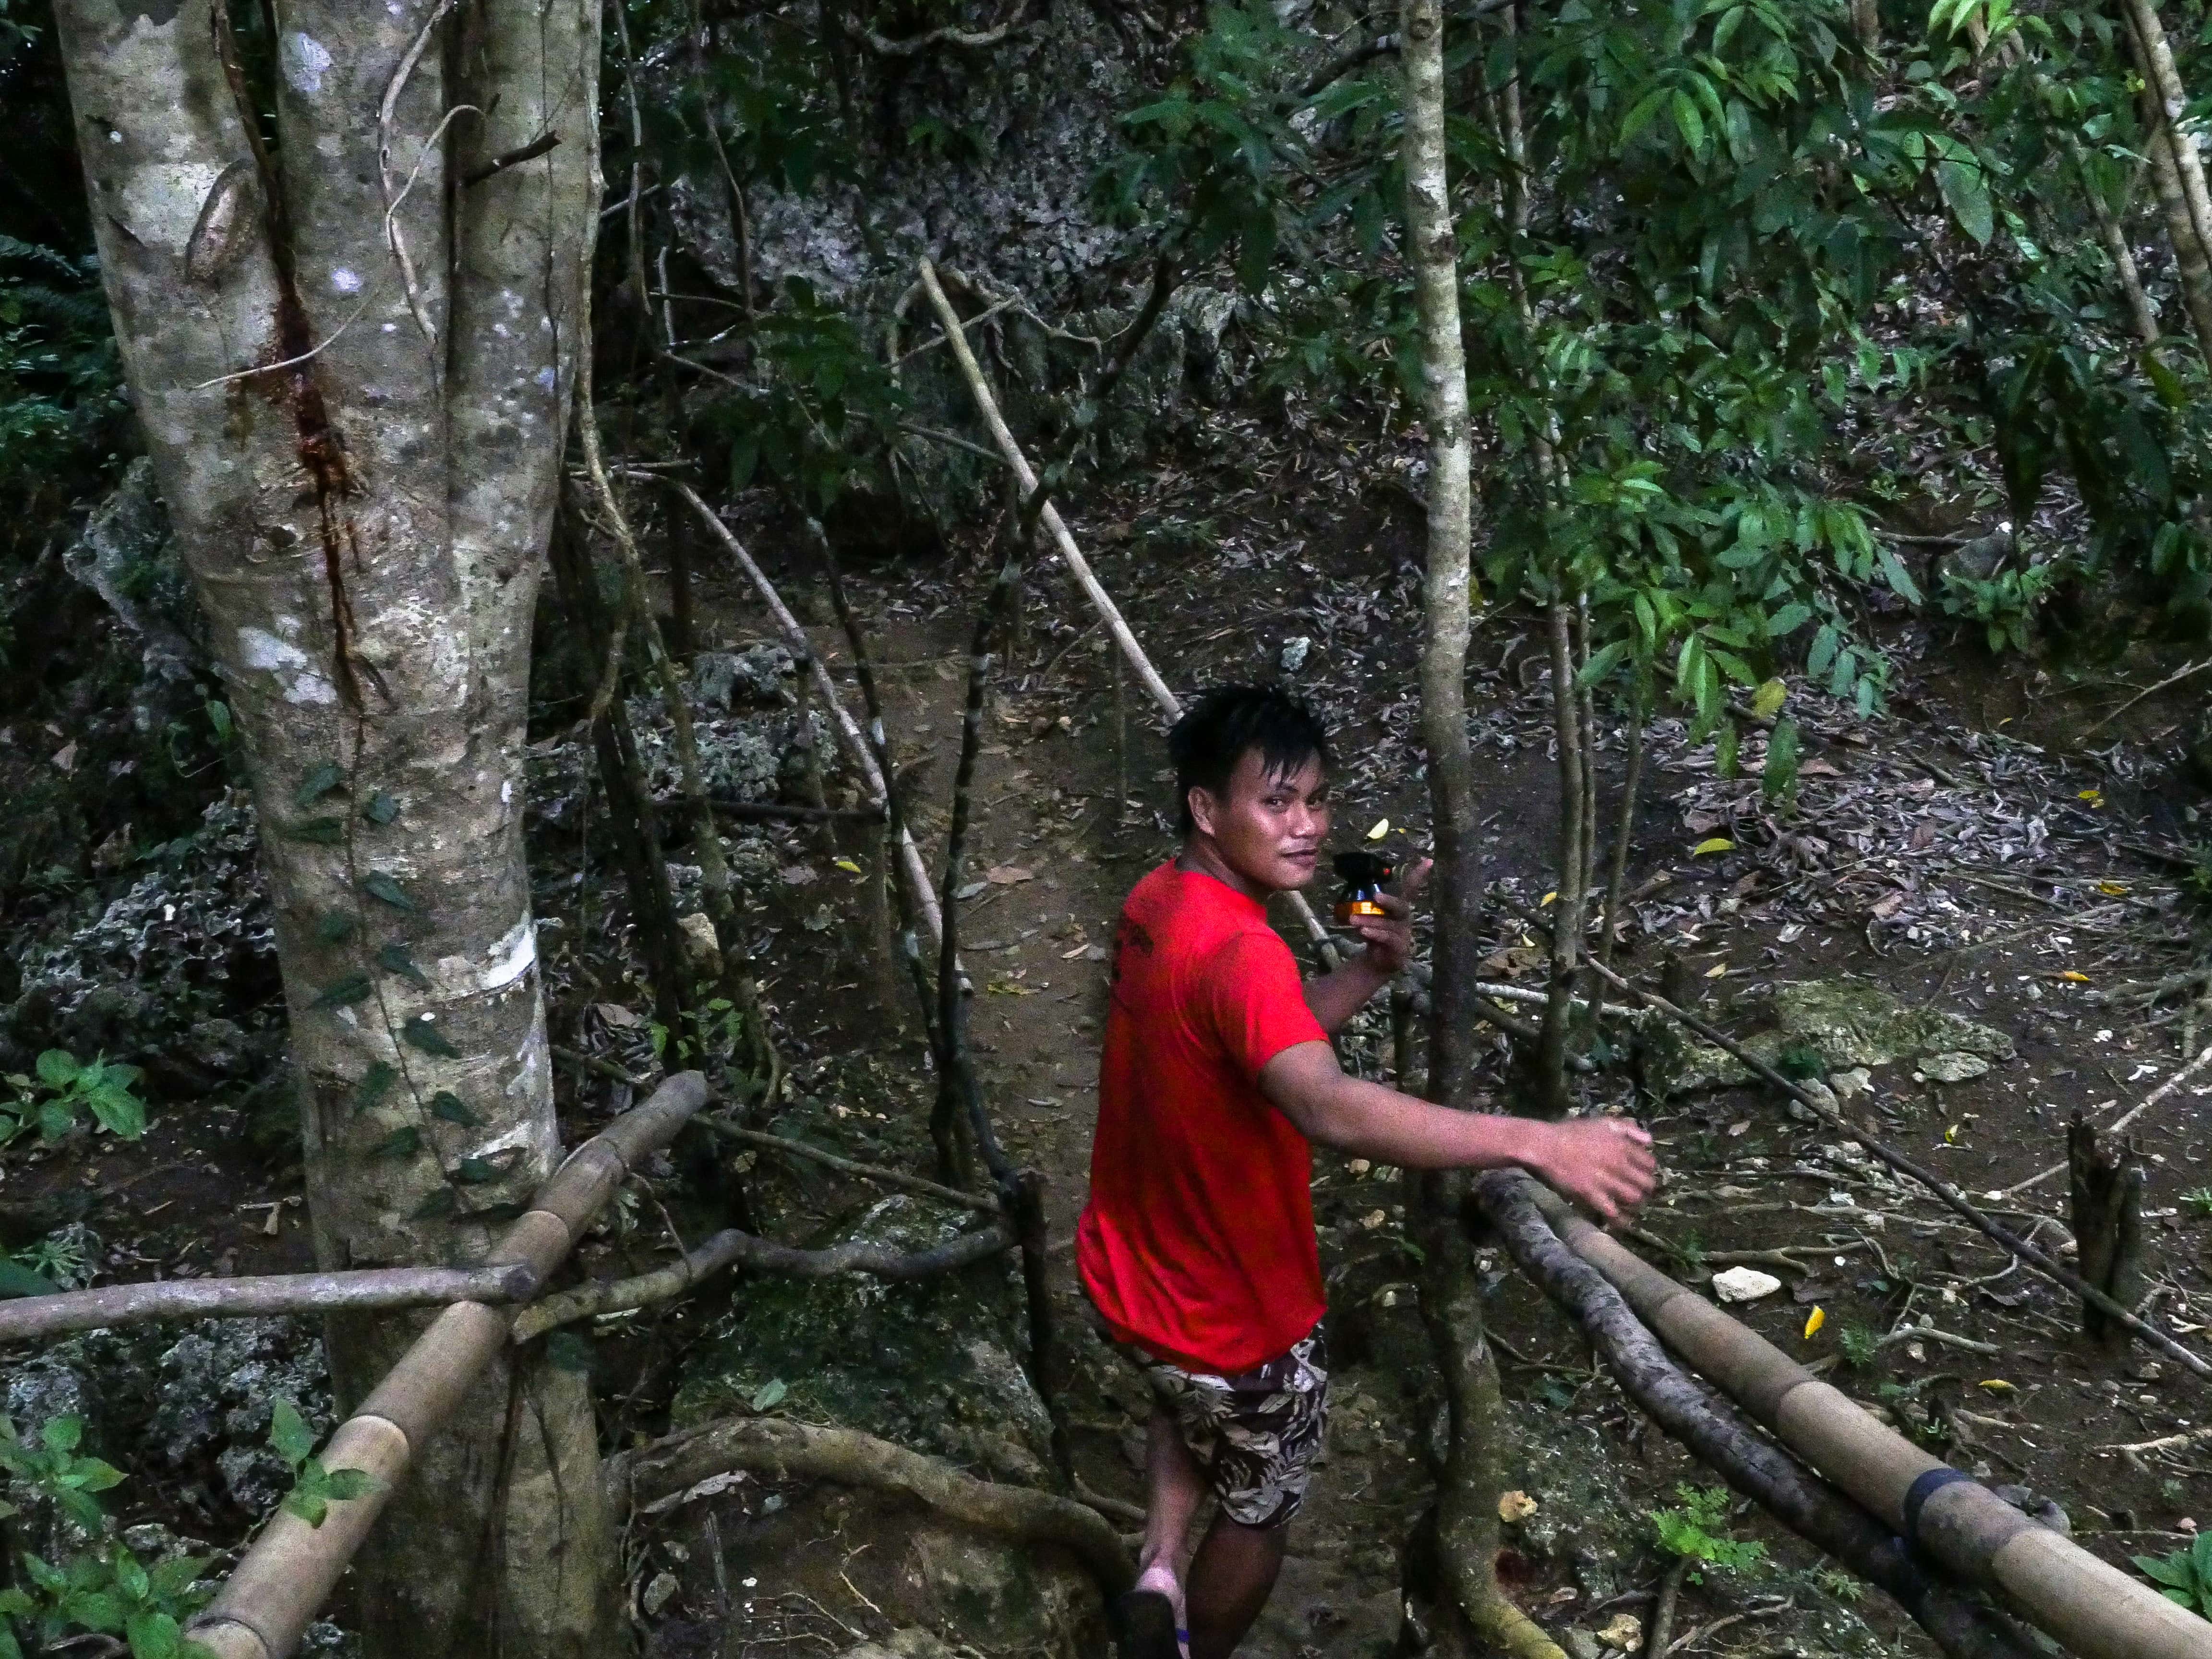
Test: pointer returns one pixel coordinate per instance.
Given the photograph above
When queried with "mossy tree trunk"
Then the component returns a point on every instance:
(352, 354)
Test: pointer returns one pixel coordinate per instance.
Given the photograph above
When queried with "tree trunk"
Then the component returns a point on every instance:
(365, 527)
(1451, 1306)
(2192, 259)
(2170, 99)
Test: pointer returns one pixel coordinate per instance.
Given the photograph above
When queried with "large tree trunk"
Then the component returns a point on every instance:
(365, 528)
(1451, 1308)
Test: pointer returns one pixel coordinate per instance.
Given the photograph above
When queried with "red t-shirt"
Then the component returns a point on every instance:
(1198, 1244)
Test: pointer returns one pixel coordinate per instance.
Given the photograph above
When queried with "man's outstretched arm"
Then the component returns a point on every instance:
(1607, 1162)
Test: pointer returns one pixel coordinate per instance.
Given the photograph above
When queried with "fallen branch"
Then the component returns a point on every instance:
(275, 1293)
(914, 45)
(283, 1579)
(2171, 680)
(732, 1248)
(1718, 1437)
(2163, 1442)
(2092, 1609)
(1948, 1339)
(1952, 1198)
(899, 1178)
(773, 1445)
(2203, 1060)
(1071, 555)
(855, 746)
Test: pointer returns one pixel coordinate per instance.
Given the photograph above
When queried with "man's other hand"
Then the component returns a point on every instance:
(1390, 937)
(1605, 1162)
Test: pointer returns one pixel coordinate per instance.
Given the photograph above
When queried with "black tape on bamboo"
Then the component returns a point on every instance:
(277, 1588)
(2093, 1609)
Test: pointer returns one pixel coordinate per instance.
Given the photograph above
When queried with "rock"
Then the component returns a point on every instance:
(1005, 1597)
(1954, 1067)
(761, 674)
(702, 951)
(1292, 657)
(1843, 1023)
(928, 1365)
(1975, 561)
(1849, 1085)
(1744, 1285)
(1624, 1634)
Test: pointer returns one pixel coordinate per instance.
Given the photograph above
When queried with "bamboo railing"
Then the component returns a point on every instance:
(274, 1592)
(2092, 1607)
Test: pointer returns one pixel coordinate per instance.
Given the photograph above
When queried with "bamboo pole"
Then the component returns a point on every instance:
(1071, 555)
(289, 1572)
(273, 1293)
(848, 733)
(2093, 1609)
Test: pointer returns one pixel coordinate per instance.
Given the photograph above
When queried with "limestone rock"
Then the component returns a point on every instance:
(1002, 1597)
(1847, 1025)
(1744, 1285)
(1954, 1067)
(702, 951)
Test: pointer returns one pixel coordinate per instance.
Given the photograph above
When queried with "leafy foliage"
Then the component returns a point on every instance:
(2184, 1576)
(314, 1488)
(1698, 1529)
(64, 1090)
(102, 1587)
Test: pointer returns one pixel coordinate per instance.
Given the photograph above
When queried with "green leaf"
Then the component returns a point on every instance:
(769, 1394)
(375, 1083)
(55, 1119)
(118, 1111)
(2200, 1557)
(309, 1506)
(2174, 1570)
(346, 1485)
(324, 832)
(62, 1434)
(289, 1433)
(476, 1171)
(1788, 620)
(154, 1636)
(94, 1474)
(1724, 750)
(382, 808)
(1602, 664)
(393, 959)
(421, 1032)
(1966, 192)
(318, 783)
(57, 1068)
(450, 1107)
(403, 1142)
(334, 927)
(16, 1280)
(1900, 583)
(385, 891)
(1766, 702)
(343, 992)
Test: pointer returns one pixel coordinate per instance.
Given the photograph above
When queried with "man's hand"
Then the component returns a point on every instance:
(1391, 937)
(1605, 1162)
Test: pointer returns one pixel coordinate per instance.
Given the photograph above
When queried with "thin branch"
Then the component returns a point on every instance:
(914, 46)
(41, 1316)
(2203, 1060)
(732, 1248)
(515, 158)
(877, 1173)
(2171, 680)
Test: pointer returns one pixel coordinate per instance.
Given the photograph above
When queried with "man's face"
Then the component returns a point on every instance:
(1269, 826)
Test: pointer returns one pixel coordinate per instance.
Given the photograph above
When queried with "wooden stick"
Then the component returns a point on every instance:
(2203, 1060)
(733, 1248)
(899, 1178)
(273, 1293)
(2171, 680)
(1952, 1198)
(848, 734)
(283, 1579)
(1071, 555)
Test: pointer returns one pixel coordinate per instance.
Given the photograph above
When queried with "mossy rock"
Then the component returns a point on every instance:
(930, 1365)
(1841, 1022)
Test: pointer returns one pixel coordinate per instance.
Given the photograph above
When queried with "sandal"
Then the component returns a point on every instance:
(1144, 1626)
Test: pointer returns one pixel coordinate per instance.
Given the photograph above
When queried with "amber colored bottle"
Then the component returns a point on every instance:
(1364, 874)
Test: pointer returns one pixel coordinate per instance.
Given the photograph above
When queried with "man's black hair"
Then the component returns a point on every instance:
(1216, 731)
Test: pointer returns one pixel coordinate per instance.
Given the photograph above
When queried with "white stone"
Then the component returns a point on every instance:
(1744, 1285)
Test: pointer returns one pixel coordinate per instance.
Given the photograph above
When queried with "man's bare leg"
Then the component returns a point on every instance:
(1231, 1579)
(1174, 1486)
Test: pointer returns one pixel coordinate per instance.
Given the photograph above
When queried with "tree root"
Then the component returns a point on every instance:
(775, 1445)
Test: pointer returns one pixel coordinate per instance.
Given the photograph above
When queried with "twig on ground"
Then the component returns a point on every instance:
(898, 1178)
(1929, 1333)
(2203, 1060)
(2167, 684)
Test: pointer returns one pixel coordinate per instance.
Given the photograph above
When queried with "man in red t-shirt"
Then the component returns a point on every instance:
(1197, 1248)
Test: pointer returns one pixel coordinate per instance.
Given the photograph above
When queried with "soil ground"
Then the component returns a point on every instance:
(1936, 852)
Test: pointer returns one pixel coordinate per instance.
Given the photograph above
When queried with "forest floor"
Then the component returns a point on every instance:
(1966, 851)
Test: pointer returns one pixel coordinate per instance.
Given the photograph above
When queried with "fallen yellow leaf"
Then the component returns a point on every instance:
(848, 865)
(1996, 1385)
(1766, 702)
(1548, 897)
(2074, 976)
(1717, 970)
(1814, 1320)
(1717, 844)
(1951, 1135)
(2111, 889)
(2095, 797)
(1515, 1505)
(1382, 828)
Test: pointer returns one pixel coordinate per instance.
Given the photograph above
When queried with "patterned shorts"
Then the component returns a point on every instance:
(1255, 1436)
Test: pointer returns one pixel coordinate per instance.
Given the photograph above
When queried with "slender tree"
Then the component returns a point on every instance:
(352, 352)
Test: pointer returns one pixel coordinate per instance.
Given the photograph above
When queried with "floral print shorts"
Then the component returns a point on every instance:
(1255, 1436)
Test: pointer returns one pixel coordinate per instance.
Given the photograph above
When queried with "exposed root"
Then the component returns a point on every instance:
(775, 1445)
